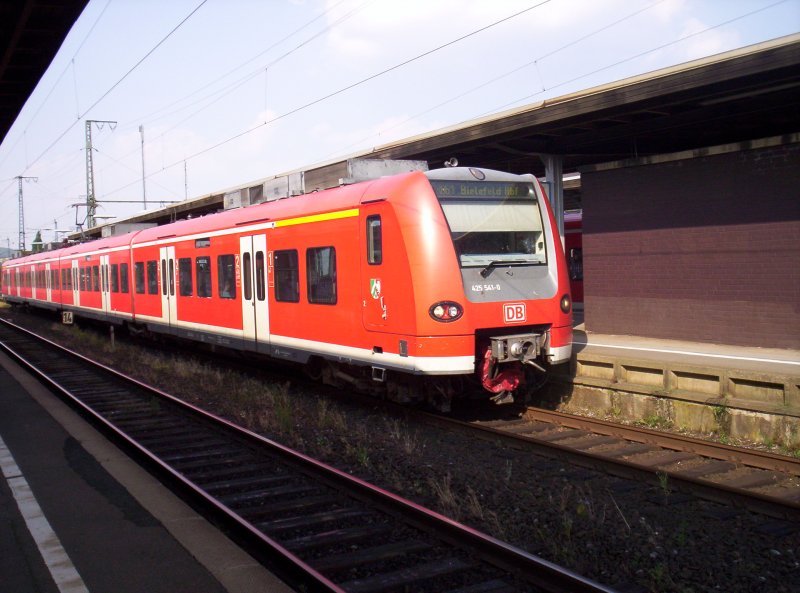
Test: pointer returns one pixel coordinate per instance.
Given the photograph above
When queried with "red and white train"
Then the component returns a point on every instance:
(419, 285)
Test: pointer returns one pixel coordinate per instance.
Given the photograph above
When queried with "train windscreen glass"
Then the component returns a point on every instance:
(493, 223)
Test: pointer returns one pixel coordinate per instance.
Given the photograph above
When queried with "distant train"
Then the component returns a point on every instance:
(419, 286)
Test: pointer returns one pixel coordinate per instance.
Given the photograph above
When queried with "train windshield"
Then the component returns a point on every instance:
(493, 223)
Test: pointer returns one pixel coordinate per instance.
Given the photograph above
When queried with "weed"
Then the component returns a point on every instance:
(656, 421)
(663, 482)
(284, 412)
(443, 491)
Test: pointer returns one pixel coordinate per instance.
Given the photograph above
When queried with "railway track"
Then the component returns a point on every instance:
(318, 528)
(757, 480)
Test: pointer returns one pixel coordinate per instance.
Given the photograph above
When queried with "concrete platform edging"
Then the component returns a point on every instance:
(734, 404)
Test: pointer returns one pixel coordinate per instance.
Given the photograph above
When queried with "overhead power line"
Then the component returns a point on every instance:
(360, 82)
(116, 84)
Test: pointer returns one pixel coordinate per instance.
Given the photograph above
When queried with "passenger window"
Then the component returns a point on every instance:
(203, 273)
(260, 288)
(123, 278)
(321, 275)
(287, 277)
(185, 287)
(96, 278)
(247, 276)
(152, 277)
(138, 272)
(114, 277)
(226, 277)
(374, 240)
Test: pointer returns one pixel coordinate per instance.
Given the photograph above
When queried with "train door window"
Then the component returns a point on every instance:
(247, 276)
(185, 287)
(96, 278)
(260, 286)
(104, 278)
(163, 277)
(287, 277)
(123, 278)
(575, 263)
(81, 279)
(226, 276)
(321, 275)
(152, 277)
(138, 280)
(171, 266)
(374, 240)
(203, 273)
(114, 277)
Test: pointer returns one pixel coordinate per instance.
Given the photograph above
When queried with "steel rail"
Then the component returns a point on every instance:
(532, 569)
(722, 493)
(750, 457)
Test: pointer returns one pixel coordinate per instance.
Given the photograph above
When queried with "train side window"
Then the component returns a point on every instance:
(114, 277)
(203, 273)
(63, 279)
(185, 287)
(247, 276)
(374, 240)
(226, 276)
(321, 275)
(96, 278)
(123, 278)
(287, 277)
(152, 277)
(138, 280)
(260, 288)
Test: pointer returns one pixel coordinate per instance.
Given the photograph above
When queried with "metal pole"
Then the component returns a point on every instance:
(144, 189)
(91, 203)
(22, 212)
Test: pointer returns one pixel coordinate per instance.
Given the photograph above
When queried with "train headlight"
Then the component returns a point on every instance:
(446, 311)
(566, 303)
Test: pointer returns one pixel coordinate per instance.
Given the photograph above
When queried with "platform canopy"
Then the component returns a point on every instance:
(31, 32)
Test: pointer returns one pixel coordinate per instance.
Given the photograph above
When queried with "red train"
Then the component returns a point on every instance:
(420, 285)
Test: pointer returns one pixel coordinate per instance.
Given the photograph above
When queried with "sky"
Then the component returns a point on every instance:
(231, 91)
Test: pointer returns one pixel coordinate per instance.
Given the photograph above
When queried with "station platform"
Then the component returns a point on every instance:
(735, 392)
(78, 516)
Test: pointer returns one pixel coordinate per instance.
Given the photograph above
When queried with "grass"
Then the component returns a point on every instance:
(656, 421)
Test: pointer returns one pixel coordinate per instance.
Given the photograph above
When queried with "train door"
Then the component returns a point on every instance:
(376, 282)
(19, 282)
(105, 292)
(169, 304)
(48, 282)
(76, 287)
(255, 304)
(34, 281)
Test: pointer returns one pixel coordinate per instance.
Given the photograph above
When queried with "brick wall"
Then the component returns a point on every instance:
(704, 249)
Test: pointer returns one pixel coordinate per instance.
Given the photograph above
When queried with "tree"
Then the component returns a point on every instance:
(37, 243)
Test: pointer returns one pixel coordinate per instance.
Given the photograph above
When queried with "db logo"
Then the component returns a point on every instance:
(514, 312)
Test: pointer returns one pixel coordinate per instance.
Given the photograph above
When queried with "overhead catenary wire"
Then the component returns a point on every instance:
(116, 84)
(71, 64)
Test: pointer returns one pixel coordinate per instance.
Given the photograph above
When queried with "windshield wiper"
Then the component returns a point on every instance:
(502, 262)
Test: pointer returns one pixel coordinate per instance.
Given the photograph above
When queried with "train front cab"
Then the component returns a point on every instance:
(490, 285)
